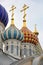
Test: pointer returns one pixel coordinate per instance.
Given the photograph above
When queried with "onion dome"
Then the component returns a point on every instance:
(12, 32)
(3, 16)
(29, 37)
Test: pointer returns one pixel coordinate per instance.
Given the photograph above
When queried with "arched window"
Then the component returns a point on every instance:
(12, 48)
(7, 47)
(17, 48)
(25, 51)
(30, 51)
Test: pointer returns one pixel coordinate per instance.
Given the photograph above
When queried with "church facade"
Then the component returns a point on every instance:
(21, 45)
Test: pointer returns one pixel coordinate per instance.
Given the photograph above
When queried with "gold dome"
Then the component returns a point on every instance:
(29, 37)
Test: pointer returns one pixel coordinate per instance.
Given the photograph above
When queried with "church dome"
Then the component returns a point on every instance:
(12, 33)
(29, 37)
(3, 15)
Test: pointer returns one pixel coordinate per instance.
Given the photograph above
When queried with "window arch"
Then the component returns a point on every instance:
(17, 48)
(25, 51)
(7, 47)
(30, 51)
(12, 47)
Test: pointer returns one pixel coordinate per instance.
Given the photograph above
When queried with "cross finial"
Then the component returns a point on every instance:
(24, 9)
(35, 30)
(12, 16)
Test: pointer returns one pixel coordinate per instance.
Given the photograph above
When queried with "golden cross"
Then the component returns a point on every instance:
(24, 9)
(12, 10)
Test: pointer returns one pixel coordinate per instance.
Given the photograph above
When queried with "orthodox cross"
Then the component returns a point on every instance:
(12, 16)
(24, 9)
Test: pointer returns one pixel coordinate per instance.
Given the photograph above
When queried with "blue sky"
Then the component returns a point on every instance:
(34, 14)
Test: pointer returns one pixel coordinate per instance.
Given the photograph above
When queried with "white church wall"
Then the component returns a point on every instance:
(38, 49)
(30, 49)
(2, 28)
(0, 41)
(14, 50)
